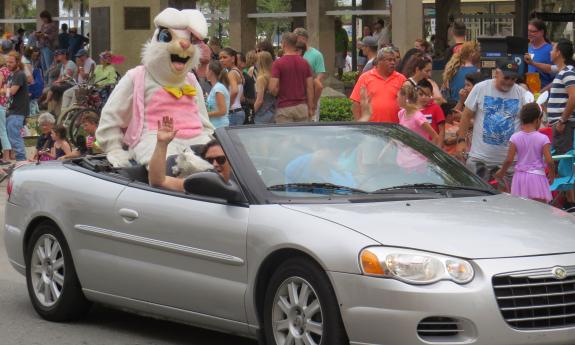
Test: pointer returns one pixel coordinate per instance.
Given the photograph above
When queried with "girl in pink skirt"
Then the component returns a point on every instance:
(533, 151)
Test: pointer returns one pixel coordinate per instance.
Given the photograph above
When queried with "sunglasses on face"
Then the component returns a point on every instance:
(220, 159)
(509, 78)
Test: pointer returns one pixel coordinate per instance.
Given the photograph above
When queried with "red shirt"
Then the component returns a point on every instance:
(382, 92)
(434, 115)
(292, 72)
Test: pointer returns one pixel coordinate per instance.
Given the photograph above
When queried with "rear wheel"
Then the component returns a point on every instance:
(51, 278)
(301, 307)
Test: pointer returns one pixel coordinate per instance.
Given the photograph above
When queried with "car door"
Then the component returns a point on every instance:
(86, 204)
(182, 252)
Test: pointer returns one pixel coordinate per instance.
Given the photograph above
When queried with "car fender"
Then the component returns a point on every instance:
(273, 228)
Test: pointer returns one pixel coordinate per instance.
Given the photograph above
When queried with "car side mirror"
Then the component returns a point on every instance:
(212, 184)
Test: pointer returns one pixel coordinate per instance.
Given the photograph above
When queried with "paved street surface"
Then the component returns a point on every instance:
(20, 325)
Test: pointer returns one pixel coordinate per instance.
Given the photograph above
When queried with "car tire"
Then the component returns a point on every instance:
(53, 285)
(300, 303)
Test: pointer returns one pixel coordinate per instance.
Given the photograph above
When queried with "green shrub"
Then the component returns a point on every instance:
(335, 109)
(349, 77)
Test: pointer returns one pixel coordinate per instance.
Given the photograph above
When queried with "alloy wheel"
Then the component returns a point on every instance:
(47, 270)
(297, 317)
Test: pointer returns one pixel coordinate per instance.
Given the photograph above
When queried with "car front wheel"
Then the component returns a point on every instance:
(301, 307)
(52, 283)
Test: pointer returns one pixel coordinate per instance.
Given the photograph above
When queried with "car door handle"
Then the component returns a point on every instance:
(128, 214)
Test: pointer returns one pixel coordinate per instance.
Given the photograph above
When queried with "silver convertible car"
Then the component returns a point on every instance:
(325, 234)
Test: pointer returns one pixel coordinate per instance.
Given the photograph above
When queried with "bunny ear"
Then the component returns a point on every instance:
(543, 98)
(529, 98)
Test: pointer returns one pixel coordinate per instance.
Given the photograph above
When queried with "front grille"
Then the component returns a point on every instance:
(536, 298)
(438, 326)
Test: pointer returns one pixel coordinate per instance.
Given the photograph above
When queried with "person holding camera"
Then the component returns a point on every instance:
(47, 39)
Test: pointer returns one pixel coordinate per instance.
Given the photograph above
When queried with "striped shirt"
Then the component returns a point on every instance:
(558, 98)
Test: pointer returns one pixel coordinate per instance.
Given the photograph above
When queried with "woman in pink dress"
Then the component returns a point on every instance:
(533, 153)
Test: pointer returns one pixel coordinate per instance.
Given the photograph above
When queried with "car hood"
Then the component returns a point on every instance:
(475, 227)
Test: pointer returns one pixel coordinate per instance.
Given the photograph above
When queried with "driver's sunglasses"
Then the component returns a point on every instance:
(507, 78)
(220, 159)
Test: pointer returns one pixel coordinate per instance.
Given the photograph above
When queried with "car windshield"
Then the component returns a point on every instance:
(357, 160)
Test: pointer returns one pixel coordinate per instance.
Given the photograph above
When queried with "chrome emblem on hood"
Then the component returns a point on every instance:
(559, 272)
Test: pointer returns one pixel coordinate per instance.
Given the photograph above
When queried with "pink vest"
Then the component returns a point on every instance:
(184, 111)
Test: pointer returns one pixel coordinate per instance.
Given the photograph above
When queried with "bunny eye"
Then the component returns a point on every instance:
(164, 36)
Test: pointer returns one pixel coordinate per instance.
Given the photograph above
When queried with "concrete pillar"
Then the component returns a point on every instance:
(407, 17)
(321, 30)
(242, 28)
(112, 33)
(8, 13)
(52, 6)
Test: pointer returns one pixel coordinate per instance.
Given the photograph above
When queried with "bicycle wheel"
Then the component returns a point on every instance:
(66, 119)
(75, 130)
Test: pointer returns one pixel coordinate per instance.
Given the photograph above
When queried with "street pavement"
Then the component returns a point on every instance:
(20, 325)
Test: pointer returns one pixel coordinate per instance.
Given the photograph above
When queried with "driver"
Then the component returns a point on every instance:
(212, 152)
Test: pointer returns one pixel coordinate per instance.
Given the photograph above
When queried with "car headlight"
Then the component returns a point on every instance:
(414, 267)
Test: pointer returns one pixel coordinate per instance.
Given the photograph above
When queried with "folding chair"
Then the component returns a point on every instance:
(565, 179)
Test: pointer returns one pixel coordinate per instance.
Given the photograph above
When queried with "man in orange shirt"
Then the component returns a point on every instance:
(382, 84)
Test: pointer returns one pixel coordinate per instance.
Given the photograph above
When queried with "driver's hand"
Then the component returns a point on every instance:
(166, 132)
(527, 58)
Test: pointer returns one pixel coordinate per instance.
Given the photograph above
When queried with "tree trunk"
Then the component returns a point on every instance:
(444, 10)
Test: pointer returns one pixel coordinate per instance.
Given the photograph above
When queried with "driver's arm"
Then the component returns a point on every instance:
(157, 170)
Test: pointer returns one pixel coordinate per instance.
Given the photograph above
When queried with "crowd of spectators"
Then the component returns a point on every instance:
(486, 123)
(37, 71)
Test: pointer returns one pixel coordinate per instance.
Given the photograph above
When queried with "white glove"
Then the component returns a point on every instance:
(119, 158)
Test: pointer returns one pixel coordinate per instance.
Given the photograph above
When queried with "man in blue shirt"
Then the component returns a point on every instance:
(75, 43)
(539, 49)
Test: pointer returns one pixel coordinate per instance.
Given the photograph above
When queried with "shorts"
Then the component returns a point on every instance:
(296, 113)
(486, 170)
(563, 143)
(339, 60)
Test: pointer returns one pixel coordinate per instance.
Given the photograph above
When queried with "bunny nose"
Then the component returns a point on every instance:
(184, 44)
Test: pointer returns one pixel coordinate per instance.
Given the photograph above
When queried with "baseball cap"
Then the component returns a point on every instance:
(509, 68)
(7, 46)
(60, 52)
(81, 52)
(369, 41)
